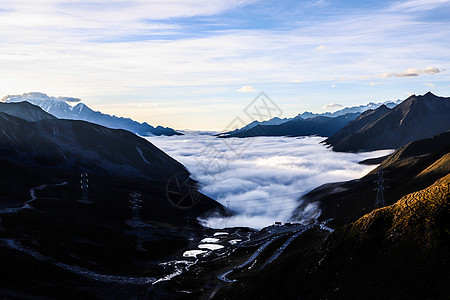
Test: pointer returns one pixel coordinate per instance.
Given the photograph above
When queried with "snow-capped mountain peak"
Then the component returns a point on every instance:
(60, 108)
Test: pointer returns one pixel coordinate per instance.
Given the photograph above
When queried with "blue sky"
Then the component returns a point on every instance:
(197, 64)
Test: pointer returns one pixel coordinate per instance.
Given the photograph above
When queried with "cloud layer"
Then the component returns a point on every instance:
(262, 178)
(332, 105)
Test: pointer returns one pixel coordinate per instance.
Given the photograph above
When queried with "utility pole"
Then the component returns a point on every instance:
(380, 190)
(84, 187)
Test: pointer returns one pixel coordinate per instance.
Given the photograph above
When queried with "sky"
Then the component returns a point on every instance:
(262, 179)
(198, 64)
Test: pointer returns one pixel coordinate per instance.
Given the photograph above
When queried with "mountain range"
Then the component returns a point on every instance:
(417, 117)
(307, 115)
(58, 107)
(322, 126)
(55, 246)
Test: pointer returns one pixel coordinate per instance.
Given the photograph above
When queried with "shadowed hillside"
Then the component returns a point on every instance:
(415, 118)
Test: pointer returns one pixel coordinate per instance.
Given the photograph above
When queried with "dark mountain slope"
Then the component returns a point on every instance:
(358, 124)
(323, 126)
(26, 111)
(410, 168)
(397, 252)
(415, 118)
(85, 147)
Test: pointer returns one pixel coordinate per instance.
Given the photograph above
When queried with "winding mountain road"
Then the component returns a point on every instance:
(26, 204)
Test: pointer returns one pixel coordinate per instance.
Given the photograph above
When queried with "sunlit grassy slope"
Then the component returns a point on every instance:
(420, 217)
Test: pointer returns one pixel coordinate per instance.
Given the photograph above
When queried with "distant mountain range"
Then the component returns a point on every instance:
(58, 107)
(352, 109)
(308, 115)
(415, 118)
(323, 126)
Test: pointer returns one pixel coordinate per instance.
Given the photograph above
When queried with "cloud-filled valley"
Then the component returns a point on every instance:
(261, 178)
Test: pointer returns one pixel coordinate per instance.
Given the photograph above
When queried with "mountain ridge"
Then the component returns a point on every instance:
(58, 107)
(307, 115)
(320, 125)
(417, 117)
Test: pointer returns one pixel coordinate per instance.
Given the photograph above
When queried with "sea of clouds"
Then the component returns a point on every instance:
(261, 179)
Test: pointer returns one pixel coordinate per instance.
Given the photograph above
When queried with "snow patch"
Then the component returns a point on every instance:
(209, 240)
(234, 242)
(142, 155)
(210, 246)
(193, 253)
(220, 233)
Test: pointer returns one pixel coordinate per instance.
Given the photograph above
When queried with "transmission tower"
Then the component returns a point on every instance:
(84, 187)
(380, 190)
(136, 222)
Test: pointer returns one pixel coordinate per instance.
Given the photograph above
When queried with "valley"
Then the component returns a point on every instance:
(92, 212)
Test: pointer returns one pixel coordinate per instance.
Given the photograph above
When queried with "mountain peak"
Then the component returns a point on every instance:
(429, 94)
(25, 110)
(60, 108)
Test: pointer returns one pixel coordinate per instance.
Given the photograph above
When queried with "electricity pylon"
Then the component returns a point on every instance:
(136, 222)
(84, 187)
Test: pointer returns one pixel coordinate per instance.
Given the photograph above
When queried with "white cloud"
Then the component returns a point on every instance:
(418, 5)
(247, 89)
(318, 3)
(372, 83)
(333, 85)
(321, 47)
(265, 181)
(411, 72)
(332, 105)
(120, 50)
(429, 84)
(114, 11)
